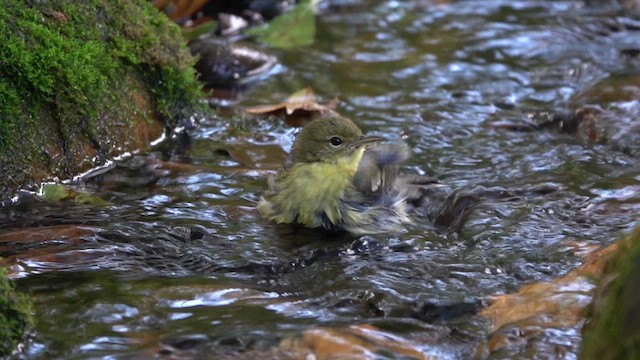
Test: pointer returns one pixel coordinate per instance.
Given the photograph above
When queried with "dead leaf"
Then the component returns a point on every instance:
(179, 9)
(298, 109)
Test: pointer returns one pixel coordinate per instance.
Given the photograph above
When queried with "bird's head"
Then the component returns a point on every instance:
(329, 139)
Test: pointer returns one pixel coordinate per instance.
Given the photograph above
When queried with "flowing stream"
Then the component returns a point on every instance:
(177, 263)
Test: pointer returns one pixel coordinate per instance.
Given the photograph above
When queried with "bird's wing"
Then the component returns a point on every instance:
(378, 170)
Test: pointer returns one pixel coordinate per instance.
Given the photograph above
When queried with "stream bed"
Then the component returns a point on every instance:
(176, 262)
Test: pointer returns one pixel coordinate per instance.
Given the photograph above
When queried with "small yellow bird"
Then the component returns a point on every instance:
(338, 179)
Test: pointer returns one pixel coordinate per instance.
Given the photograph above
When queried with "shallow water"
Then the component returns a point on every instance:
(178, 263)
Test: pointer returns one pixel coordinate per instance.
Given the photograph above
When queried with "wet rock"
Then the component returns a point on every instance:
(616, 127)
(532, 337)
(522, 322)
(183, 344)
(613, 330)
(225, 65)
(229, 24)
(95, 80)
(605, 111)
(15, 316)
(271, 8)
(12, 239)
(354, 342)
(438, 311)
(265, 9)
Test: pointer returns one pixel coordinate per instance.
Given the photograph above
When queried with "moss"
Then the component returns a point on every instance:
(146, 39)
(614, 328)
(48, 67)
(15, 316)
(65, 73)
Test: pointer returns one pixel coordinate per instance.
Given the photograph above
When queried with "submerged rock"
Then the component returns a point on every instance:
(617, 126)
(225, 65)
(521, 323)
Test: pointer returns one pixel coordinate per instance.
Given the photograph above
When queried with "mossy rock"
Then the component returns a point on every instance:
(15, 316)
(83, 81)
(613, 330)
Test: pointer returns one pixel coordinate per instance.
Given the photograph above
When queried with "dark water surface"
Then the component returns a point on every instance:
(178, 263)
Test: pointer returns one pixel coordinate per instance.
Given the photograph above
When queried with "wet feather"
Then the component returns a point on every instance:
(348, 187)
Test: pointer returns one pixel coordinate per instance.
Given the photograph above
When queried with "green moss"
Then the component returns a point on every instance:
(15, 316)
(70, 55)
(147, 40)
(65, 73)
(614, 328)
(47, 67)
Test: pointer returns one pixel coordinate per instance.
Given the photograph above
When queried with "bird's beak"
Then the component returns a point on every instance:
(364, 140)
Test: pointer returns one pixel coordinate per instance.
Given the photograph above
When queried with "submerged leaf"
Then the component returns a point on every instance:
(58, 192)
(295, 28)
(53, 192)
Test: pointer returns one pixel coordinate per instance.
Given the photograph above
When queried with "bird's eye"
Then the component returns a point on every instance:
(335, 141)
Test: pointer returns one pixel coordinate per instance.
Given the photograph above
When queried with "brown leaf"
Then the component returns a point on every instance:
(298, 109)
(178, 9)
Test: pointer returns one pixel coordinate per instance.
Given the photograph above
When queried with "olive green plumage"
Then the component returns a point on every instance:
(332, 181)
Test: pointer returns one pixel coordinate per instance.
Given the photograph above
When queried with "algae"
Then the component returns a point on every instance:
(76, 78)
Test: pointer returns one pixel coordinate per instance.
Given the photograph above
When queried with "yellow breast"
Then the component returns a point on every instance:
(306, 191)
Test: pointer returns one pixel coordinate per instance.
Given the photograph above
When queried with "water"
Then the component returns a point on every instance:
(178, 263)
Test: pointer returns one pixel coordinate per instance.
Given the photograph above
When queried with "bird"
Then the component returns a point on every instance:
(337, 179)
